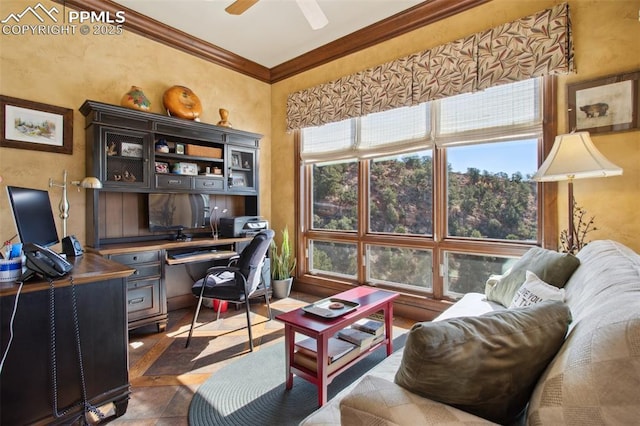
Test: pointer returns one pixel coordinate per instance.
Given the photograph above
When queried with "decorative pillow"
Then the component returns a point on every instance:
(486, 365)
(379, 402)
(534, 290)
(550, 266)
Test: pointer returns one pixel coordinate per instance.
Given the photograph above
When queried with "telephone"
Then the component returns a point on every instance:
(43, 261)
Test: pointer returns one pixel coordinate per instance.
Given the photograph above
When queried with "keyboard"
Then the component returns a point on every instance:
(190, 253)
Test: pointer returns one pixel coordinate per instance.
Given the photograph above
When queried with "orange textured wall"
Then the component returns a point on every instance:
(65, 70)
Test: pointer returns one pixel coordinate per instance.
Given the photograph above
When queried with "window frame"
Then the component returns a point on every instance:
(438, 243)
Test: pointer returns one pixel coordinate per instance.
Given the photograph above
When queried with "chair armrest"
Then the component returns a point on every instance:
(219, 269)
(381, 402)
(213, 276)
(233, 260)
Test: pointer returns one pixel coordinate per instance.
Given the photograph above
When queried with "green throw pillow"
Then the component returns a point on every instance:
(550, 266)
(486, 365)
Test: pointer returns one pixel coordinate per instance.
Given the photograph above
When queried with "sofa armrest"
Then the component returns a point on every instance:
(381, 402)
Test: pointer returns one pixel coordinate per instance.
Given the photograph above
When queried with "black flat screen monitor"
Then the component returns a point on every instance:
(33, 216)
(175, 212)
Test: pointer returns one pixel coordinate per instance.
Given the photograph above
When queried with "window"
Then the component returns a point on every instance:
(401, 194)
(490, 193)
(335, 196)
(430, 199)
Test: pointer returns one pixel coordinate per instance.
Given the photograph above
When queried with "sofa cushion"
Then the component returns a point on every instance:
(486, 365)
(550, 266)
(376, 401)
(534, 290)
(595, 377)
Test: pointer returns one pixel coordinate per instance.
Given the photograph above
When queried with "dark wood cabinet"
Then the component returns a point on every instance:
(135, 154)
(28, 394)
(121, 150)
(146, 290)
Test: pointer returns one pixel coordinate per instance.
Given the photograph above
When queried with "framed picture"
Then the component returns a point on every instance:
(179, 148)
(239, 179)
(131, 149)
(235, 160)
(608, 104)
(35, 126)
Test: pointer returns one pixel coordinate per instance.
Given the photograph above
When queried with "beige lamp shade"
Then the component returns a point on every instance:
(91, 182)
(573, 156)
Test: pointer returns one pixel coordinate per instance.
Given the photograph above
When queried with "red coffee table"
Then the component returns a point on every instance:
(370, 300)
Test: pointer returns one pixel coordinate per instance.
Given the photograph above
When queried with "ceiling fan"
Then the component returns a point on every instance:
(310, 9)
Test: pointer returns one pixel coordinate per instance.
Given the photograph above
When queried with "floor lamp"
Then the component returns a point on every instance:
(573, 156)
(88, 182)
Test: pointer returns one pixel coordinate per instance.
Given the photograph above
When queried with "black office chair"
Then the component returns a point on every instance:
(238, 282)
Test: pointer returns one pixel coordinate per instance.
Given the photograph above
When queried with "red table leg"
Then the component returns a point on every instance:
(322, 343)
(289, 338)
(388, 326)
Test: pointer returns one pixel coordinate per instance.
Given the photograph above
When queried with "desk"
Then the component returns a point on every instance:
(147, 287)
(25, 382)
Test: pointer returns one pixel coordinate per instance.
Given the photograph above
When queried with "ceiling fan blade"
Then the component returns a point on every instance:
(238, 7)
(315, 16)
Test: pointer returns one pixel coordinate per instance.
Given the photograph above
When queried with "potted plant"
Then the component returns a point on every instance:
(283, 265)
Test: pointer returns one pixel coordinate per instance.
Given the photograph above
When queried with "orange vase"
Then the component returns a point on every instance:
(135, 99)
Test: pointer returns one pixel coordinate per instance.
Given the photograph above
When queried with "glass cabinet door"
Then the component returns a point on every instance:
(126, 159)
(241, 170)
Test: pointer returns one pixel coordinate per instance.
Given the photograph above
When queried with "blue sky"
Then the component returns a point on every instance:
(508, 157)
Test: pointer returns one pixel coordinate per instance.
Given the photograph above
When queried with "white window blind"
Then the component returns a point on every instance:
(331, 141)
(395, 130)
(511, 109)
(503, 113)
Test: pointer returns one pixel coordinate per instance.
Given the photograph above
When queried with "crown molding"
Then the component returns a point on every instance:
(411, 19)
(157, 31)
(416, 17)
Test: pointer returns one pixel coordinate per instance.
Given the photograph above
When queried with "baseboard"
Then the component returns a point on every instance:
(181, 302)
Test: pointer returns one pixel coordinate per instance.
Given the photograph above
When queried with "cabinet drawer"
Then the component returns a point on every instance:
(143, 298)
(137, 257)
(209, 184)
(150, 270)
(173, 182)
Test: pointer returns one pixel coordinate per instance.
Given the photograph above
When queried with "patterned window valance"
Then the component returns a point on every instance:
(533, 46)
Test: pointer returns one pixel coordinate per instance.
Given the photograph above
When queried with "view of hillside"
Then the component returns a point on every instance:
(481, 205)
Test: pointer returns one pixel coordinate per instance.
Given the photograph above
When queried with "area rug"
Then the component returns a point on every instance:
(251, 391)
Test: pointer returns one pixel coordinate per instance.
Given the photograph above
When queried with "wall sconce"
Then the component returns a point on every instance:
(88, 182)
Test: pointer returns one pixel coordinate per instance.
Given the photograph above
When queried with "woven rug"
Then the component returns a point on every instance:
(251, 391)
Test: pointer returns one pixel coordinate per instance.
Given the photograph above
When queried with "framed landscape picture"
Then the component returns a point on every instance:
(608, 104)
(35, 126)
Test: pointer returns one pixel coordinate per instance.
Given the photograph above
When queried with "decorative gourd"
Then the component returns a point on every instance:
(181, 102)
(135, 99)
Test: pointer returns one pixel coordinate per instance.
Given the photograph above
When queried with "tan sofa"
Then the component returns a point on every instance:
(594, 379)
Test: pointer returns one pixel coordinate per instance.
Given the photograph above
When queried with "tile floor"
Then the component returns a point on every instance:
(164, 374)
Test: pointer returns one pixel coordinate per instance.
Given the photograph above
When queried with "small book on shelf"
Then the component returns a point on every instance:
(370, 326)
(357, 337)
(337, 348)
(310, 363)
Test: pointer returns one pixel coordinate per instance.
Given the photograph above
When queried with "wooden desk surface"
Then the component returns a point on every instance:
(87, 268)
(164, 245)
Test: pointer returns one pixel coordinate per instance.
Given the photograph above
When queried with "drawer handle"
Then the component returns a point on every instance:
(174, 181)
(135, 258)
(136, 301)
